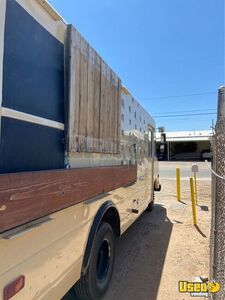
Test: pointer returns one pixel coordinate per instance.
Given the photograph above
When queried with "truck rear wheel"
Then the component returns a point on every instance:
(95, 282)
(150, 206)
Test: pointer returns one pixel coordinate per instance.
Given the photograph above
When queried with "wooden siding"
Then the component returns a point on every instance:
(94, 99)
(25, 197)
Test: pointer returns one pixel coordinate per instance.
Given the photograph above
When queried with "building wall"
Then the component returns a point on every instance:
(133, 116)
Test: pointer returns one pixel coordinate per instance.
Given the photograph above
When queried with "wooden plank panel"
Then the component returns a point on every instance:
(74, 92)
(108, 111)
(83, 96)
(103, 110)
(93, 101)
(110, 108)
(77, 89)
(25, 197)
(114, 112)
(119, 115)
(97, 89)
(90, 106)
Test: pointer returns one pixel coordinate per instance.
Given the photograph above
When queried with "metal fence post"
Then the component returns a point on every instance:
(218, 200)
(178, 184)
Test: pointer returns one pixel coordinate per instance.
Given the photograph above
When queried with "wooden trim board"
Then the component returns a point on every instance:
(18, 115)
(25, 197)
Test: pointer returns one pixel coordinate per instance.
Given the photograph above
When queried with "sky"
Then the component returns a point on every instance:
(168, 53)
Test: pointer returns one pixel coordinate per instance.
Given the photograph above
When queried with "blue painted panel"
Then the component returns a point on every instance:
(33, 70)
(29, 147)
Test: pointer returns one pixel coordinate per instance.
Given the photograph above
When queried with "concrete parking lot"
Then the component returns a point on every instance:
(163, 246)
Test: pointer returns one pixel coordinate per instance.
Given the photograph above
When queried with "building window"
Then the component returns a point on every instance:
(122, 117)
(130, 122)
(135, 126)
(122, 103)
(135, 115)
(129, 109)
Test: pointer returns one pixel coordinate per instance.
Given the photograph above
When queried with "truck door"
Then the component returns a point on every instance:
(145, 163)
(151, 154)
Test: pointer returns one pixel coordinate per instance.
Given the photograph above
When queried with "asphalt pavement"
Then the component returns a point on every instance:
(167, 170)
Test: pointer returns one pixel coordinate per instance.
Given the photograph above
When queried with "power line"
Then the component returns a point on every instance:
(185, 111)
(181, 96)
(183, 120)
(186, 119)
(184, 115)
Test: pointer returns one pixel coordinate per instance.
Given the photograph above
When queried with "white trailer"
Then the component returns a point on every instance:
(77, 158)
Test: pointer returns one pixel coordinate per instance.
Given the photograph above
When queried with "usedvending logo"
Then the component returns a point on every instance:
(199, 289)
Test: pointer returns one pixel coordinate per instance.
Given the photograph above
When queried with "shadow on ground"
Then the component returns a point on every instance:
(141, 253)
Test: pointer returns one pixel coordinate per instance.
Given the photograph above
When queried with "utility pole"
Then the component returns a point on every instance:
(218, 201)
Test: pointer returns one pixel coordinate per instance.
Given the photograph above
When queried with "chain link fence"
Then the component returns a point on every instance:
(218, 200)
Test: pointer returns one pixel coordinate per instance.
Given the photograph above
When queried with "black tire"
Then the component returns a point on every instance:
(93, 285)
(150, 206)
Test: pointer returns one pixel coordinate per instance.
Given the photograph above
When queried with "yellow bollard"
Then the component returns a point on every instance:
(193, 201)
(178, 184)
(195, 178)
